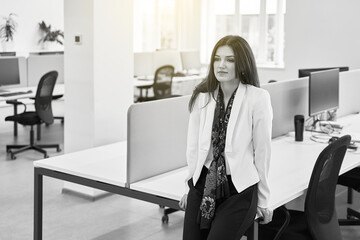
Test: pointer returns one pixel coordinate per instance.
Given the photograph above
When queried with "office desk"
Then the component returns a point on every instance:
(180, 86)
(105, 168)
(102, 168)
(58, 90)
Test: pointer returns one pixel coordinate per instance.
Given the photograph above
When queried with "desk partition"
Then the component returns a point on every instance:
(288, 98)
(157, 132)
(349, 95)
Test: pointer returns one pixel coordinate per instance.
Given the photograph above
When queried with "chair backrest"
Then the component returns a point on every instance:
(320, 211)
(43, 96)
(163, 81)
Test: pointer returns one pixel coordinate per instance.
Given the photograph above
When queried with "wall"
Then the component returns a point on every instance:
(318, 33)
(98, 72)
(99, 75)
(29, 14)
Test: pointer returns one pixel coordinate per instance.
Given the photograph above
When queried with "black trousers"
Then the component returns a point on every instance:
(233, 216)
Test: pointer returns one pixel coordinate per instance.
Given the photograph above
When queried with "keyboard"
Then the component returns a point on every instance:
(10, 94)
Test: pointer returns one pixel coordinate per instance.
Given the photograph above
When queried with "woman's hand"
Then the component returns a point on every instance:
(183, 202)
(265, 214)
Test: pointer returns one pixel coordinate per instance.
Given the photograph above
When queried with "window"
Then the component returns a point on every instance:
(155, 25)
(194, 24)
(260, 22)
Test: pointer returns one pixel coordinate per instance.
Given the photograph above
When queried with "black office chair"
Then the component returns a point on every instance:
(319, 220)
(350, 179)
(162, 84)
(42, 114)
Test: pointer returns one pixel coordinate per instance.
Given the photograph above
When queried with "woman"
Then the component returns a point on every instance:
(228, 148)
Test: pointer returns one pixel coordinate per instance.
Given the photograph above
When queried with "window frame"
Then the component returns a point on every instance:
(209, 24)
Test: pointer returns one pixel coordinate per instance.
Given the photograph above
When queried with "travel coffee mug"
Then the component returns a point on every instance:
(299, 127)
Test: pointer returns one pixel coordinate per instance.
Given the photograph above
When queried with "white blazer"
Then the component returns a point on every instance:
(248, 138)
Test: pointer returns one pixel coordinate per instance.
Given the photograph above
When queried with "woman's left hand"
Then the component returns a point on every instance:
(265, 214)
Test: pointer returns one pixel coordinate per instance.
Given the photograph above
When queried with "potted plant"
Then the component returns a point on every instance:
(7, 31)
(49, 35)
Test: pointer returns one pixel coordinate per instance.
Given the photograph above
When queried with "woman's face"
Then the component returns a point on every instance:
(224, 65)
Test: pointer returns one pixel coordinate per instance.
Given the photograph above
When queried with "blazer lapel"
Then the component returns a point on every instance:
(207, 121)
(238, 100)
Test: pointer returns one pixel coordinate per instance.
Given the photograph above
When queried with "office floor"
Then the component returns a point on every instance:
(74, 218)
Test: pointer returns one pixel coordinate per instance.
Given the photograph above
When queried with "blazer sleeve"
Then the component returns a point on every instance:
(192, 140)
(262, 128)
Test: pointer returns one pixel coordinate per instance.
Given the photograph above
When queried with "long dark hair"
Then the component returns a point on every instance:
(245, 67)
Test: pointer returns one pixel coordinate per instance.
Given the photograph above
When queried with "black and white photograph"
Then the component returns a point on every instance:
(179, 120)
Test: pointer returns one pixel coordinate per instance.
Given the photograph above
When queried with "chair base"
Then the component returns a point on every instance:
(36, 147)
(352, 218)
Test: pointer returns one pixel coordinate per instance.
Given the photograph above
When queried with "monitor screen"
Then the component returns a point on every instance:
(9, 71)
(167, 57)
(143, 64)
(323, 91)
(190, 59)
(305, 72)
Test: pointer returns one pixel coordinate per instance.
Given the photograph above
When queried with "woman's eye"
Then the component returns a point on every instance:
(231, 60)
(216, 59)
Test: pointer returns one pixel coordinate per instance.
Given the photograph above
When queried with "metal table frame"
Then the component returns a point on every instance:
(39, 172)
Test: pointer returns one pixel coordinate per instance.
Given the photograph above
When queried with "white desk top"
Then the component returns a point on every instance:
(170, 184)
(105, 163)
(58, 90)
(301, 157)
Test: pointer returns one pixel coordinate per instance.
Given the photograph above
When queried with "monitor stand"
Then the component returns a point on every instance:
(323, 126)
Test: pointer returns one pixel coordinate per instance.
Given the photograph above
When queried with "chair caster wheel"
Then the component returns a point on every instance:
(46, 156)
(165, 219)
(58, 150)
(12, 157)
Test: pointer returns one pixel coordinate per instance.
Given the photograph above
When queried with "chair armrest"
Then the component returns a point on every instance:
(15, 103)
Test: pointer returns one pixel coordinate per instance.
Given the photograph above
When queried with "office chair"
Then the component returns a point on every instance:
(282, 217)
(350, 179)
(42, 114)
(162, 84)
(16, 103)
(319, 220)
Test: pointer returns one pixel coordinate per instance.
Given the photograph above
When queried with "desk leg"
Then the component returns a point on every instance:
(38, 204)
(252, 233)
(15, 123)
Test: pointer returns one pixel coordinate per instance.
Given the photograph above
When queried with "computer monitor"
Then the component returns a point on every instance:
(167, 57)
(9, 72)
(305, 72)
(190, 60)
(323, 91)
(143, 64)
